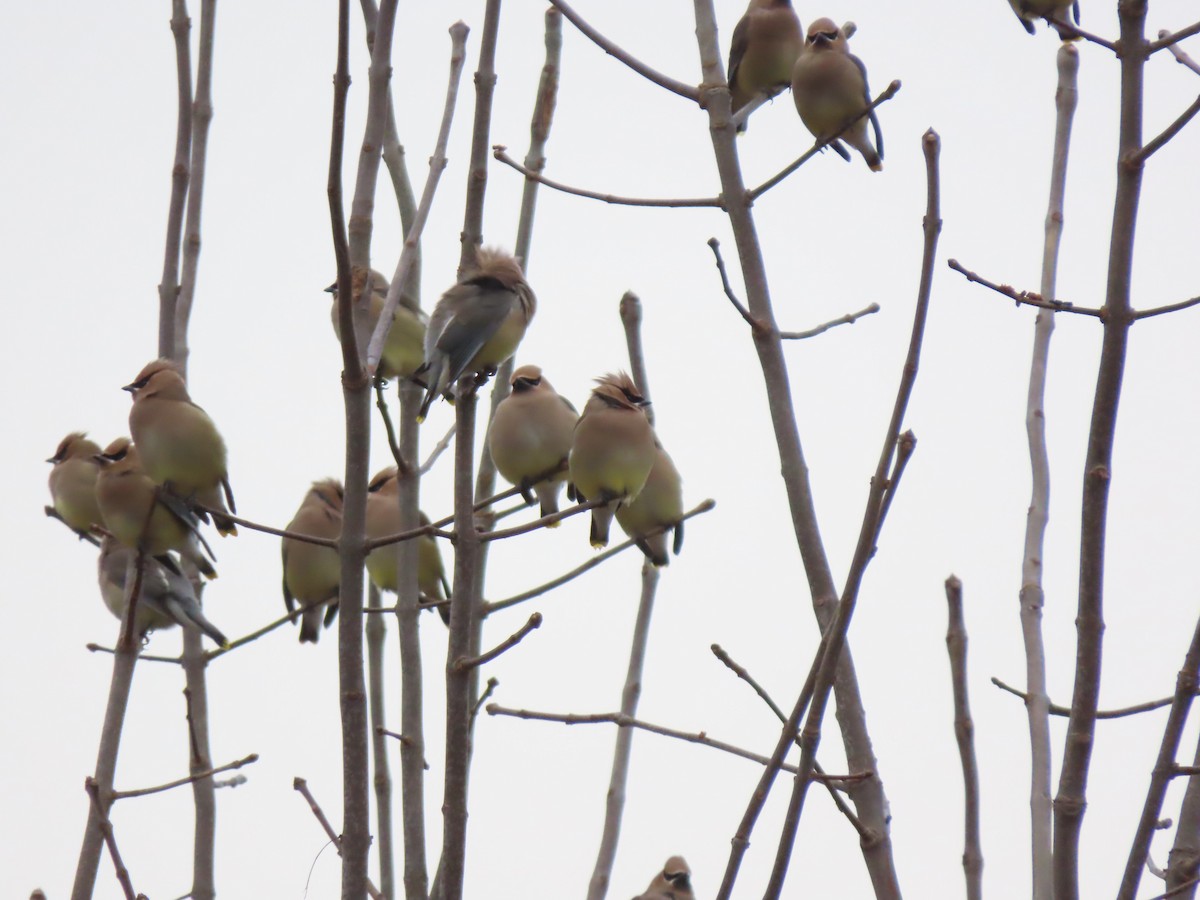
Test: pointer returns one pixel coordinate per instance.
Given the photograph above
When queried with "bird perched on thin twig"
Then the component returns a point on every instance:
(829, 86)
(179, 445)
(657, 510)
(73, 482)
(166, 598)
(136, 513)
(766, 42)
(477, 324)
(674, 882)
(383, 519)
(312, 573)
(612, 451)
(404, 349)
(1028, 10)
(530, 437)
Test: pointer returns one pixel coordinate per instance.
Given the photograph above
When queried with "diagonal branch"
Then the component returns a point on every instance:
(1180, 57)
(847, 319)
(207, 773)
(1148, 150)
(615, 199)
(1055, 710)
(110, 840)
(1027, 298)
(1170, 39)
(463, 663)
(300, 785)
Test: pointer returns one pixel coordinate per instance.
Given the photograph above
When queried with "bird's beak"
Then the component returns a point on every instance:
(332, 289)
(131, 388)
(52, 460)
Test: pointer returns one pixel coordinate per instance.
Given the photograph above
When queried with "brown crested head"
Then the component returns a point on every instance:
(677, 874)
(358, 277)
(121, 454)
(74, 446)
(527, 378)
(823, 34)
(160, 378)
(384, 482)
(328, 491)
(494, 266)
(619, 390)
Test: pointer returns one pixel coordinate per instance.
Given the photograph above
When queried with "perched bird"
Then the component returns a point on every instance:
(657, 510)
(312, 573)
(829, 86)
(73, 482)
(166, 598)
(179, 445)
(404, 349)
(612, 451)
(530, 437)
(766, 42)
(674, 882)
(383, 518)
(477, 324)
(1028, 10)
(136, 514)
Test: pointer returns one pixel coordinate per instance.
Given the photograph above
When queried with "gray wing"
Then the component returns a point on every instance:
(871, 115)
(737, 48)
(473, 326)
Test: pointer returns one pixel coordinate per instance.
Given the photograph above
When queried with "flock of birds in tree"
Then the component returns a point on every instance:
(150, 492)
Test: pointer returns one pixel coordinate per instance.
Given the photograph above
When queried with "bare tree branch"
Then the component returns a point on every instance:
(1139, 157)
(847, 319)
(168, 288)
(1027, 298)
(1180, 57)
(1055, 710)
(676, 87)
(110, 841)
(191, 779)
(498, 151)
(1169, 39)
(300, 785)
(964, 733)
(464, 663)
(376, 631)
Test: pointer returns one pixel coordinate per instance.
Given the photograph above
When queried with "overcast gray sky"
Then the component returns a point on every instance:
(90, 130)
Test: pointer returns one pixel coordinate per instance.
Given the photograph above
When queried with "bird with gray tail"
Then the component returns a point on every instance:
(138, 515)
(73, 482)
(612, 452)
(766, 43)
(166, 598)
(404, 349)
(180, 446)
(530, 437)
(657, 510)
(1028, 10)
(829, 86)
(383, 519)
(477, 324)
(674, 882)
(312, 573)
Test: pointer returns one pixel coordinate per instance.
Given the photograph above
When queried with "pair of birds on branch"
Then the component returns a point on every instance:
(149, 494)
(770, 52)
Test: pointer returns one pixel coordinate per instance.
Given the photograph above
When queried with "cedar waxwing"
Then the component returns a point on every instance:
(73, 482)
(657, 510)
(1028, 10)
(674, 882)
(311, 573)
(179, 445)
(383, 518)
(530, 437)
(166, 599)
(829, 86)
(477, 324)
(404, 349)
(766, 42)
(126, 496)
(612, 451)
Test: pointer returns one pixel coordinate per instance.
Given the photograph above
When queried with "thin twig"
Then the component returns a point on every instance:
(299, 784)
(1169, 308)
(1055, 710)
(110, 840)
(488, 690)
(542, 522)
(252, 636)
(1027, 298)
(1068, 30)
(463, 663)
(376, 631)
(1139, 157)
(498, 151)
(1170, 39)
(438, 449)
(847, 319)
(864, 833)
(207, 773)
(268, 529)
(623, 721)
(389, 428)
(964, 733)
(888, 93)
(52, 513)
(1178, 889)
(1180, 57)
(437, 163)
(754, 324)
(145, 657)
(676, 87)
